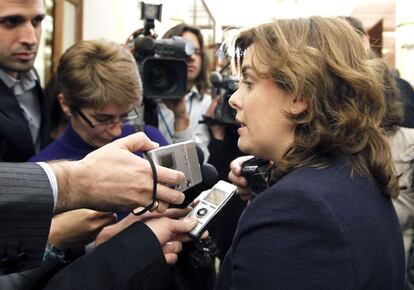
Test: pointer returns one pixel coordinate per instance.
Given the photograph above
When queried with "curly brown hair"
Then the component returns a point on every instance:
(324, 62)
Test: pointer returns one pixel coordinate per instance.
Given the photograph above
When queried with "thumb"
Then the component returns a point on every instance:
(183, 226)
(134, 142)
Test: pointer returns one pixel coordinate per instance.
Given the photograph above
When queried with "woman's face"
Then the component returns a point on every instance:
(102, 133)
(194, 62)
(261, 106)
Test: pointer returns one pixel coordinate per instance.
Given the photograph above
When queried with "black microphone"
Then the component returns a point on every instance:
(210, 175)
(200, 154)
(216, 80)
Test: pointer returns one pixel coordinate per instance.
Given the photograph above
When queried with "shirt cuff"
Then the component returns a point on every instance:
(52, 179)
(182, 135)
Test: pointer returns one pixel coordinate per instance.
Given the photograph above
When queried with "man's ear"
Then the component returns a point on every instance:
(64, 105)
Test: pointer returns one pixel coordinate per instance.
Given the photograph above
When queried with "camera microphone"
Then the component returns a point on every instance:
(144, 44)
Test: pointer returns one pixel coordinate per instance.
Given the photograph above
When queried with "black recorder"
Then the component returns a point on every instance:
(257, 172)
(182, 157)
(210, 203)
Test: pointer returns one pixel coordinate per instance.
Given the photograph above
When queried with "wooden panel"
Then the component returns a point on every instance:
(378, 17)
(58, 22)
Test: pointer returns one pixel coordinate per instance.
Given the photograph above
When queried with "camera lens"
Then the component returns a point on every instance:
(161, 79)
(164, 77)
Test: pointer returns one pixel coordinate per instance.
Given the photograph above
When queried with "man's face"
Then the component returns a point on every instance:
(20, 32)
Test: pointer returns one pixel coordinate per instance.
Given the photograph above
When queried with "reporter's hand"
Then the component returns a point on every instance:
(112, 230)
(212, 108)
(170, 233)
(181, 117)
(77, 228)
(112, 178)
(217, 130)
(243, 189)
(170, 250)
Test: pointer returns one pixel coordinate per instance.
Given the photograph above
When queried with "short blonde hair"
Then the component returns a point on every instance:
(95, 73)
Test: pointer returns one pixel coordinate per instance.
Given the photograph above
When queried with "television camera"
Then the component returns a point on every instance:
(224, 86)
(162, 62)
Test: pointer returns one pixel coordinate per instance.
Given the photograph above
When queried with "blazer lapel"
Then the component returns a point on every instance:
(9, 107)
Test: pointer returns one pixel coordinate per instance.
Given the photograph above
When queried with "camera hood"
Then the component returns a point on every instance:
(164, 78)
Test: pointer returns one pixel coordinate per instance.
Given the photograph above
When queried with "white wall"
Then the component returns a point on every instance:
(117, 19)
(404, 39)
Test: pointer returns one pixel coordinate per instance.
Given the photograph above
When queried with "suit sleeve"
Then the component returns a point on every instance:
(26, 209)
(286, 243)
(132, 259)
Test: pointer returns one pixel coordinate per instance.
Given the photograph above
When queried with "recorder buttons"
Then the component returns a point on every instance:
(201, 212)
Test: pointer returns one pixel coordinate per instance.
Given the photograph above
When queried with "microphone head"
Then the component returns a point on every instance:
(209, 174)
(216, 78)
(200, 154)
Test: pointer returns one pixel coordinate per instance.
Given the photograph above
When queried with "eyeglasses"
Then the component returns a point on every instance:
(124, 120)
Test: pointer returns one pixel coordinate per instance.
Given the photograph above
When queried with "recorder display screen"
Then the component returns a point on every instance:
(215, 197)
(167, 161)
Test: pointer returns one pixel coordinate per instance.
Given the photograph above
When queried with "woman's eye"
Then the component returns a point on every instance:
(247, 83)
(103, 119)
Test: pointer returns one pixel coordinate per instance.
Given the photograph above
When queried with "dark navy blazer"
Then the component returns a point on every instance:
(16, 143)
(317, 229)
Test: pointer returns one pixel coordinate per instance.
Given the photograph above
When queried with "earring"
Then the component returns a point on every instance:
(294, 109)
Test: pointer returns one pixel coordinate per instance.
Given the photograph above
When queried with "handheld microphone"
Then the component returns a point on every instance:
(216, 78)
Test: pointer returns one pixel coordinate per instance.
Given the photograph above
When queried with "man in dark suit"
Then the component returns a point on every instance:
(119, 180)
(24, 113)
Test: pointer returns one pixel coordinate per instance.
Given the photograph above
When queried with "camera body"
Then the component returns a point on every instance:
(224, 86)
(162, 63)
(210, 203)
(182, 157)
(163, 66)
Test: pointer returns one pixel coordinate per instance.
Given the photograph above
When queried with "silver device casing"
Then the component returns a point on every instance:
(210, 203)
(182, 157)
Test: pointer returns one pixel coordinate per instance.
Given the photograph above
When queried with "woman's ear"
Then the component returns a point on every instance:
(298, 106)
(64, 105)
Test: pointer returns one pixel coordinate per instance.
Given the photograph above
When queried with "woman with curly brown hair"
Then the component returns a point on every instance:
(311, 101)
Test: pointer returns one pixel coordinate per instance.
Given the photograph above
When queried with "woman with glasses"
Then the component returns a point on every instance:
(99, 90)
